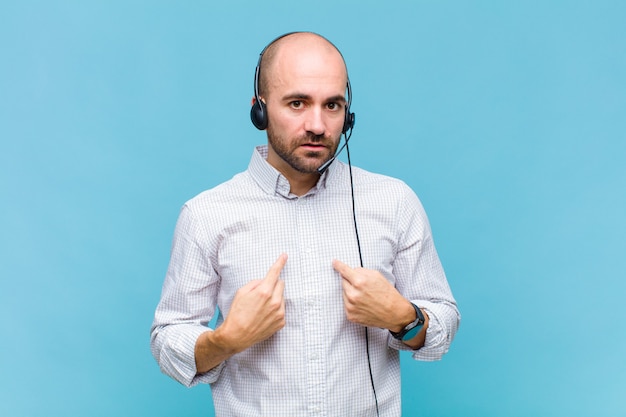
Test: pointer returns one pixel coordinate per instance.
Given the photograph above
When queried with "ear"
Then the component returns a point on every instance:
(258, 114)
(254, 100)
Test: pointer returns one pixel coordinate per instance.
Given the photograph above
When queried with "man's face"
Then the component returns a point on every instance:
(306, 109)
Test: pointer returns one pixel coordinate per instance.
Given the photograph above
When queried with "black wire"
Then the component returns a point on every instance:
(356, 229)
(358, 244)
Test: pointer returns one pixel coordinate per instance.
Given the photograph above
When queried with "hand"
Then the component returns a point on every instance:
(257, 310)
(371, 300)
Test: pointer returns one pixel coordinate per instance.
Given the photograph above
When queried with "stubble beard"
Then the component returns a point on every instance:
(303, 164)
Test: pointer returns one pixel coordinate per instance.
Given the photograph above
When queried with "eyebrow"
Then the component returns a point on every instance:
(301, 96)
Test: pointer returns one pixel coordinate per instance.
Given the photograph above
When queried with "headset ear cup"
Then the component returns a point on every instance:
(258, 115)
(348, 123)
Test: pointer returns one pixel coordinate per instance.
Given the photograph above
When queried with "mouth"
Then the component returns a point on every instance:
(313, 146)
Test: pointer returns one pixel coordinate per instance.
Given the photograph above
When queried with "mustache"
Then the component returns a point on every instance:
(312, 138)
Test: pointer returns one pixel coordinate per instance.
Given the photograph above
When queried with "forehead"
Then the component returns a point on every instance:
(310, 64)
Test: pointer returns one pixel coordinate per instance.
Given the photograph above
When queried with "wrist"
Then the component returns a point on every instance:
(406, 314)
(221, 339)
(412, 329)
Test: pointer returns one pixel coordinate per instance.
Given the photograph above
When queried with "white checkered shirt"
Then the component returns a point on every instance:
(317, 365)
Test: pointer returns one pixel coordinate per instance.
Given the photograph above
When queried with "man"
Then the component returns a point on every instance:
(302, 328)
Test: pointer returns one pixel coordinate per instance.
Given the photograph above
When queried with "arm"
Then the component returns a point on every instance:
(180, 341)
(187, 304)
(420, 278)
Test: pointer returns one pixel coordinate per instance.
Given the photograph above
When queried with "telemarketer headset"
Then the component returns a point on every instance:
(258, 115)
(258, 112)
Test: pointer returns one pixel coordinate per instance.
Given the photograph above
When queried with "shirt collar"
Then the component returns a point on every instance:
(272, 181)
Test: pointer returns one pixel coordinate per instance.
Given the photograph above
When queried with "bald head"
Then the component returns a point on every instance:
(296, 49)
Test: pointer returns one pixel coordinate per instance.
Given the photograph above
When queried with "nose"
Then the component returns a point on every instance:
(314, 122)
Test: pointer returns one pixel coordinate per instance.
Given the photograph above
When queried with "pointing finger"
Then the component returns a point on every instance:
(274, 272)
(344, 270)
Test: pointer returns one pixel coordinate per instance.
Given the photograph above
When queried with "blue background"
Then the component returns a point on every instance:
(507, 118)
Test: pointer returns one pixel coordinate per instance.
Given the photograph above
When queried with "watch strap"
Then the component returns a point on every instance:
(412, 329)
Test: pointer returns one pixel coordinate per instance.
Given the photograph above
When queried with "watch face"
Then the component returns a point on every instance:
(412, 332)
(412, 329)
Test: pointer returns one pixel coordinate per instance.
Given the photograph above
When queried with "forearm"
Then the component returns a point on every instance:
(212, 349)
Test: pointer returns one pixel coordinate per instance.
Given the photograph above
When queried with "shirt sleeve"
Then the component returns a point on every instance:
(187, 304)
(421, 279)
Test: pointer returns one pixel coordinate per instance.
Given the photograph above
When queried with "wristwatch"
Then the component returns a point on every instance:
(411, 329)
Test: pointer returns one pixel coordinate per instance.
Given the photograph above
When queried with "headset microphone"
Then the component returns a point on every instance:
(326, 164)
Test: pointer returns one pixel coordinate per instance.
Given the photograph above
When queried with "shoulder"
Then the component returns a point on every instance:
(378, 184)
(212, 207)
(208, 213)
(372, 178)
(224, 193)
(382, 193)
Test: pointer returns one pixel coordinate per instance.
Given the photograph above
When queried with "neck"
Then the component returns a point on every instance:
(299, 182)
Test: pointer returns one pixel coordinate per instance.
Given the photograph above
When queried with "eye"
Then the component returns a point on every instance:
(296, 104)
(333, 106)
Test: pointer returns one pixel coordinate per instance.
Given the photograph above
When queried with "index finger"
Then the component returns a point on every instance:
(274, 272)
(344, 270)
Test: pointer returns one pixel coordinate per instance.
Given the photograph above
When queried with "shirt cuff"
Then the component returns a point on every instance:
(435, 336)
(178, 360)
